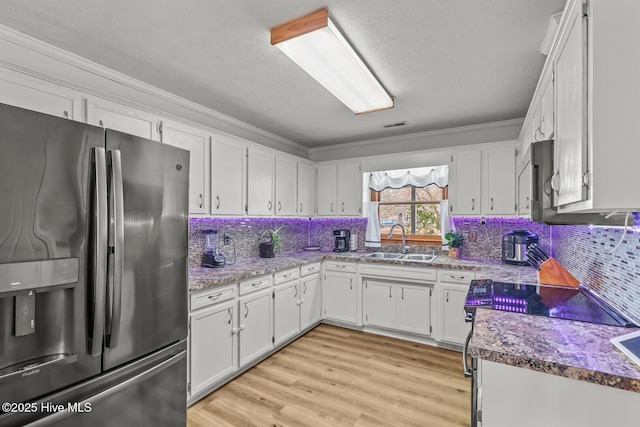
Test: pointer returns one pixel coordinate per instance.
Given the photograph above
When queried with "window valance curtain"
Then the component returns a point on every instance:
(418, 177)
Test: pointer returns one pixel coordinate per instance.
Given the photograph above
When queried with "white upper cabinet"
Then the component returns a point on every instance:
(306, 190)
(260, 174)
(349, 191)
(197, 143)
(327, 187)
(340, 190)
(111, 115)
(524, 185)
(547, 110)
(499, 181)
(465, 182)
(228, 171)
(39, 96)
(286, 182)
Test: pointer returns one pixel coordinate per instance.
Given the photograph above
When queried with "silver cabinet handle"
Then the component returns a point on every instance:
(215, 297)
(201, 200)
(527, 205)
(492, 203)
(304, 288)
(402, 293)
(331, 206)
(256, 284)
(342, 206)
(389, 291)
(301, 208)
(296, 294)
(341, 266)
(555, 182)
(286, 276)
(230, 316)
(101, 124)
(350, 283)
(65, 114)
(446, 296)
(217, 202)
(455, 277)
(246, 312)
(269, 205)
(473, 204)
(279, 206)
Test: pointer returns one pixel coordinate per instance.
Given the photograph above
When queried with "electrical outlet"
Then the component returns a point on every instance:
(473, 236)
(227, 239)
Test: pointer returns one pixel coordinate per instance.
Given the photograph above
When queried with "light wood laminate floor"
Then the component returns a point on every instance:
(338, 377)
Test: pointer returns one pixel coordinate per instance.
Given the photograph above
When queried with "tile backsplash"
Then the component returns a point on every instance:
(585, 252)
(488, 242)
(245, 233)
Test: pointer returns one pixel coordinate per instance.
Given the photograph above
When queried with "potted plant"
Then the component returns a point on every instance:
(454, 241)
(270, 242)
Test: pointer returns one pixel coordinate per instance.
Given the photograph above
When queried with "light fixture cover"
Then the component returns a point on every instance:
(315, 44)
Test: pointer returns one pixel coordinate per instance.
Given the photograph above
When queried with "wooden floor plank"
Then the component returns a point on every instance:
(339, 377)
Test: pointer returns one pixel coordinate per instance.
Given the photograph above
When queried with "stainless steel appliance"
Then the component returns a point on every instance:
(93, 275)
(515, 244)
(342, 240)
(212, 256)
(543, 195)
(571, 303)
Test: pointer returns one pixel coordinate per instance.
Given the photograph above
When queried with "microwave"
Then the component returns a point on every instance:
(542, 195)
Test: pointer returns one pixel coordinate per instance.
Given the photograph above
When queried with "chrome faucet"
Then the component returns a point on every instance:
(405, 248)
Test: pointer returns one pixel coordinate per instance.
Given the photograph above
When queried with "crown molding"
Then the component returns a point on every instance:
(506, 130)
(233, 126)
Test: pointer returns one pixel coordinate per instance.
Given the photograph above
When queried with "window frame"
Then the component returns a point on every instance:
(412, 239)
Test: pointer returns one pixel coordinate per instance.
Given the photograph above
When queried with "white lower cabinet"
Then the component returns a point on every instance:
(212, 345)
(310, 302)
(414, 309)
(452, 288)
(398, 306)
(254, 312)
(286, 323)
(340, 292)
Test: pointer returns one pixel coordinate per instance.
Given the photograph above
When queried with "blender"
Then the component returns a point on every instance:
(212, 257)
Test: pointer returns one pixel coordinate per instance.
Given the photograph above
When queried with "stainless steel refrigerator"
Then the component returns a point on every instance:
(93, 275)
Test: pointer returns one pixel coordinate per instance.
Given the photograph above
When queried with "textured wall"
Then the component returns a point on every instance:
(489, 240)
(584, 251)
(246, 232)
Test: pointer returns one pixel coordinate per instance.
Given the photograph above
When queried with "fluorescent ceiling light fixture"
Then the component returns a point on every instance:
(315, 44)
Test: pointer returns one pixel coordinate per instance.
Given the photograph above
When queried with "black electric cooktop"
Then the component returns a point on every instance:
(540, 300)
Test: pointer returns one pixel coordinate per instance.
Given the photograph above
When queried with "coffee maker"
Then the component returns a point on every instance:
(212, 257)
(342, 240)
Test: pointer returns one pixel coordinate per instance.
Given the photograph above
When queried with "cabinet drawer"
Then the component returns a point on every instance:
(212, 296)
(255, 284)
(456, 276)
(347, 267)
(306, 270)
(285, 276)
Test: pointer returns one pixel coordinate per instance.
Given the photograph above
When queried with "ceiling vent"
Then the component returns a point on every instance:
(395, 125)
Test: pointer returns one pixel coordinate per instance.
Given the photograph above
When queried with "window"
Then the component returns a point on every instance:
(415, 205)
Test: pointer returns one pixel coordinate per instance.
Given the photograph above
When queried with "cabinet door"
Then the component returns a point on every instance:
(197, 143)
(524, 190)
(340, 297)
(286, 323)
(213, 345)
(454, 328)
(40, 96)
(260, 186)
(122, 118)
(414, 309)
(327, 186)
(467, 183)
(286, 180)
(380, 304)
(499, 183)
(306, 190)
(546, 109)
(349, 190)
(570, 146)
(227, 176)
(255, 325)
(310, 302)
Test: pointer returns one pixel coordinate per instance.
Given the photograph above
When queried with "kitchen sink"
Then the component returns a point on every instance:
(402, 257)
(383, 255)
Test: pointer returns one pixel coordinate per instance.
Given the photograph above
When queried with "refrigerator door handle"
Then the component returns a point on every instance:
(116, 248)
(99, 251)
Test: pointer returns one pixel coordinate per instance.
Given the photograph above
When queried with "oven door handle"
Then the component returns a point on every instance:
(465, 356)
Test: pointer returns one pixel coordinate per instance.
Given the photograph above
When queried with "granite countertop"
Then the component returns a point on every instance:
(571, 349)
(202, 278)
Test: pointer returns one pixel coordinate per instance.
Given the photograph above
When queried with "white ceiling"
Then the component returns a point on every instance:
(448, 63)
